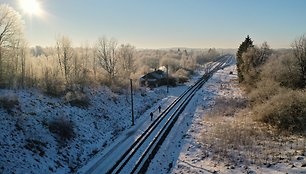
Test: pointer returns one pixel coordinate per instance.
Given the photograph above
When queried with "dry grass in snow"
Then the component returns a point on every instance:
(239, 141)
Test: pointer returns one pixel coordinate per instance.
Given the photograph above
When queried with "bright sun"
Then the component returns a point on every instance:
(31, 7)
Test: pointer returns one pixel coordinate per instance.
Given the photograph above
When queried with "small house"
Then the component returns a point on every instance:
(153, 79)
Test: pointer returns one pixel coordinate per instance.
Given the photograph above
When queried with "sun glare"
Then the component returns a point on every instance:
(31, 7)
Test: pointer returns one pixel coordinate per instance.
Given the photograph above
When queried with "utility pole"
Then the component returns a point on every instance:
(167, 78)
(132, 102)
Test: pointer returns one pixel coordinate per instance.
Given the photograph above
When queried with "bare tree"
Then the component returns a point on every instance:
(172, 63)
(152, 62)
(37, 51)
(65, 56)
(85, 55)
(204, 57)
(264, 53)
(77, 68)
(17, 63)
(82, 62)
(106, 53)
(10, 31)
(94, 62)
(299, 50)
(23, 55)
(126, 56)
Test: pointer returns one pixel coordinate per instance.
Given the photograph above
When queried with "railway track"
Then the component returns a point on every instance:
(138, 156)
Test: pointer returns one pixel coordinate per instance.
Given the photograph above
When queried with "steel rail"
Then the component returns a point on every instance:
(162, 133)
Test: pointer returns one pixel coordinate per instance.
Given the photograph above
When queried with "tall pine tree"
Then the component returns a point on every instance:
(247, 43)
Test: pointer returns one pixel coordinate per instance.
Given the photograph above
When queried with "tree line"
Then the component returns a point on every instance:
(63, 67)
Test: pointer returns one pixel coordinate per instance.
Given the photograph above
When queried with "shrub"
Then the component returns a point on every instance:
(9, 102)
(233, 140)
(182, 75)
(228, 106)
(265, 89)
(52, 83)
(286, 111)
(36, 146)
(171, 81)
(77, 99)
(240, 141)
(119, 85)
(62, 127)
(282, 69)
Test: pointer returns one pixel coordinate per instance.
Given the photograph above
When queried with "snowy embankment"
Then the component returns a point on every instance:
(30, 145)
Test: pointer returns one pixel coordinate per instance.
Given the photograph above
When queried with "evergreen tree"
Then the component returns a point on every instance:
(247, 43)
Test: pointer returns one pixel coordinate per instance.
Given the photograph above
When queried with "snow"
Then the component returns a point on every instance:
(96, 128)
(182, 152)
(28, 146)
(107, 158)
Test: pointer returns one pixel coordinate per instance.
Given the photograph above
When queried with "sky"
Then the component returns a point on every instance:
(166, 23)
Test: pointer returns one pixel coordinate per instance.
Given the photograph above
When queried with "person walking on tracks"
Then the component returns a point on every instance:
(159, 108)
(151, 115)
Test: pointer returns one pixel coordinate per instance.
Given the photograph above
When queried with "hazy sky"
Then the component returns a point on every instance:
(167, 23)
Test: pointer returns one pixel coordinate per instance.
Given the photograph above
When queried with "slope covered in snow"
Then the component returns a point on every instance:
(29, 144)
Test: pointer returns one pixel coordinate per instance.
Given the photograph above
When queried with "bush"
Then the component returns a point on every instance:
(52, 83)
(234, 140)
(77, 99)
(286, 111)
(282, 69)
(228, 106)
(171, 81)
(265, 89)
(120, 85)
(9, 102)
(62, 127)
(241, 141)
(182, 75)
(36, 146)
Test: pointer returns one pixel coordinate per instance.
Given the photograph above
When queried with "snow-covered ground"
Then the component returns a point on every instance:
(183, 151)
(28, 146)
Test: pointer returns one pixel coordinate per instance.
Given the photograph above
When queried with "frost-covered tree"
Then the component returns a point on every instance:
(65, 56)
(247, 43)
(37, 51)
(299, 50)
(11, 33)
(106, 53)
(253, 59)
(204, 57)
(126, 57)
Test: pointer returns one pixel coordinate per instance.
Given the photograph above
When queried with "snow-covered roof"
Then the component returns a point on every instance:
(158, 74)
